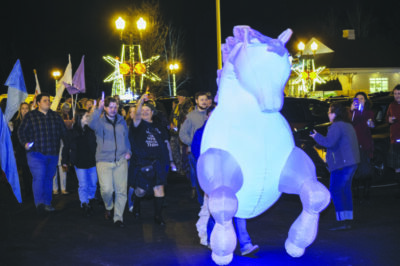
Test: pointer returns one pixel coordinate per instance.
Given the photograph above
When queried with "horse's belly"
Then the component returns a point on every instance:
(261, 150)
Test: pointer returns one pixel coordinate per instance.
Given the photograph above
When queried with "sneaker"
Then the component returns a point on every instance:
(107, 215)
(40, 208)
(49, 208)
(159, 220)
(64, 192)
(119, 224)
(341, 226)
(250, 250)
(131, 209)
(55, 192)
(87, 210)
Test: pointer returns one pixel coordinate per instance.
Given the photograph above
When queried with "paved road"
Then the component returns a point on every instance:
(66, 237)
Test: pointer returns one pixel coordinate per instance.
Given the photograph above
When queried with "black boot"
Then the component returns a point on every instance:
(136, 206)
(158, 205)
(86, 209)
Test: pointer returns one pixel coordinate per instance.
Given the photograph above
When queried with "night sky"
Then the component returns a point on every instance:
(42, 33)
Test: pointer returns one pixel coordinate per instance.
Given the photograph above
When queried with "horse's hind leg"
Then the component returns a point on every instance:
(220, 177)
(300, 178)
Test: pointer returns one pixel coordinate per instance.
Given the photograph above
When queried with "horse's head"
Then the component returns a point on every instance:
(260, 64)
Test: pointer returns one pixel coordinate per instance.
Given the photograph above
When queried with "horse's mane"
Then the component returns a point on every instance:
(248, 36)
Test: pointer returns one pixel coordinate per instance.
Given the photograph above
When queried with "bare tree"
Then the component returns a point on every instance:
(360, 18)
(157, 39)
(173, 53)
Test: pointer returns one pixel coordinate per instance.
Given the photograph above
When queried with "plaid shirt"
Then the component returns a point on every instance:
(45, 130)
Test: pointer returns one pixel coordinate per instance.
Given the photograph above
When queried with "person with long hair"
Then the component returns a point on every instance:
(79, 151)
(363, 120)
(20, 152)
(342, 156)
(130, 115)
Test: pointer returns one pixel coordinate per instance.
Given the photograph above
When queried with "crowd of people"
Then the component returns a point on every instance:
(118, 155)
(125, 154)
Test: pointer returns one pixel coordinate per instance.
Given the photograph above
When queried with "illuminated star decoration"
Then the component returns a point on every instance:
(117, 78)
(305, 75)
(122, 67)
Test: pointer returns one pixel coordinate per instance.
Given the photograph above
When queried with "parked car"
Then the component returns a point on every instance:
(381, 132)
(304, 115)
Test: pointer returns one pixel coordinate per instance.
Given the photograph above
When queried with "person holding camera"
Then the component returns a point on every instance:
(342, 156)
(363, 122)
(151, 158)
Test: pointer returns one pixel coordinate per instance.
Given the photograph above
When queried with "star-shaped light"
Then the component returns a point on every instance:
(135, 68)
(305, 75)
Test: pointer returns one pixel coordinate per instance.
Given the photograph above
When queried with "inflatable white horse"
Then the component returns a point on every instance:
(248, 157)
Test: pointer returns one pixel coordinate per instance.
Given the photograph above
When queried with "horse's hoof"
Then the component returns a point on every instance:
(293, 250)
(222, 260)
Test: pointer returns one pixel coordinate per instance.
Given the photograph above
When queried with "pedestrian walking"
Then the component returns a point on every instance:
(79, 152)
(151, 159)
(112, 153)
(40, 132)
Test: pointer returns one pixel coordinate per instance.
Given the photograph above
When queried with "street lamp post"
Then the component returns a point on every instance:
(141, 25)
(174, 68)
(307, 74)
(56, 75)
(120, 24)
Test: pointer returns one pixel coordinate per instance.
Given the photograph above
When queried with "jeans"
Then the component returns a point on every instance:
(87, 183)
(113, 177)
(340, 189)
(242, 234)
(193, 178)
(43, 168)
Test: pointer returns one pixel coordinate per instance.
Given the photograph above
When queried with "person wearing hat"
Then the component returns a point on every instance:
(178, 115)
(151, 158)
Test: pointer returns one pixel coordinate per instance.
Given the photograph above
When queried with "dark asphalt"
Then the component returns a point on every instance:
(66, 237)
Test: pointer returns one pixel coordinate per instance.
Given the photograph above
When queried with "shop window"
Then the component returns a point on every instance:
(378, 85)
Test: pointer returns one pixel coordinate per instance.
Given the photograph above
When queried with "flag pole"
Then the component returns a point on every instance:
(219, 53)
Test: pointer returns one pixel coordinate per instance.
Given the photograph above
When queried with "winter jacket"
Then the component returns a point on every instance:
(195, 120)
(342, 145)
(112, 138)
(80, 149)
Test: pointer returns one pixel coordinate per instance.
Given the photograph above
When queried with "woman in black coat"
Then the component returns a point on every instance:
(79, 151)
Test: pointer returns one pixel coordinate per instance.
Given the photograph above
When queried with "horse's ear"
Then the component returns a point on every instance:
(285, 36)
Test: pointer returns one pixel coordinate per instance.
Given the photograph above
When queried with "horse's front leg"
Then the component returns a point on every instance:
(298, 177)
(220, 177)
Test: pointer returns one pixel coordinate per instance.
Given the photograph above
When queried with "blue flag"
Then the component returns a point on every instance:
(7, 158)
(16, 91)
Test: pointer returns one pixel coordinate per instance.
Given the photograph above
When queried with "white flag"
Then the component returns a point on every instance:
(67, 78)
(37, 89)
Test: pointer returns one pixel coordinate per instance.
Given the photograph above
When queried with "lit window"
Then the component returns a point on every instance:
(378, 84)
